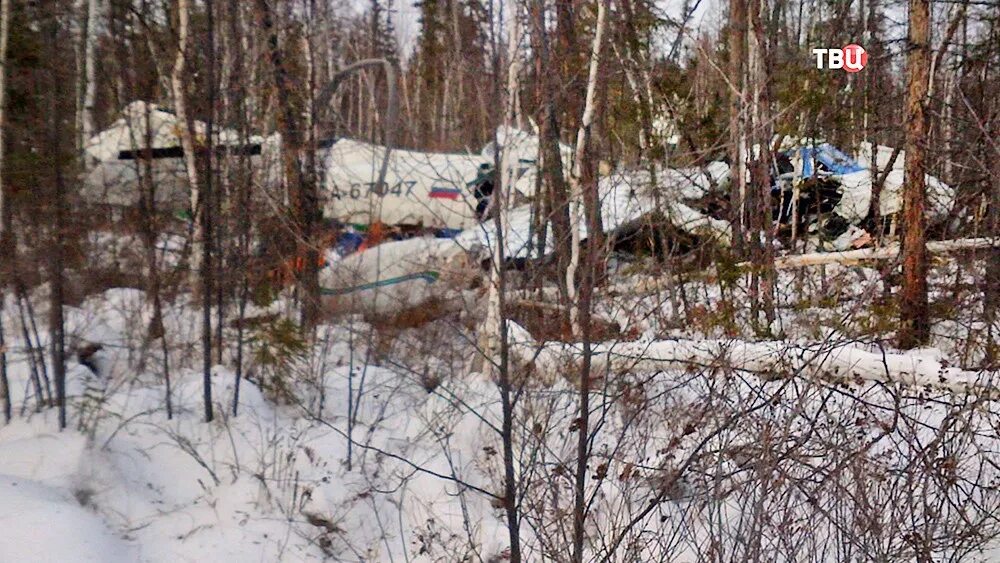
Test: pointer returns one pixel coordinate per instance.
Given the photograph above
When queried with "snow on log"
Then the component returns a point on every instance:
(646, 284)
(882, 253)
(840, 362)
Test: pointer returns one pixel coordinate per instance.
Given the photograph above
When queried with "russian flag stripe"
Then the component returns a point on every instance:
(445, 193)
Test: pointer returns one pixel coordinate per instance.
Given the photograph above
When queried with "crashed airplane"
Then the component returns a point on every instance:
(119, 163)
(446, 195)
(430, 190)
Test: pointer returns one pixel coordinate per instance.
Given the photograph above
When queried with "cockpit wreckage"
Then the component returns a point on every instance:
(420, 233)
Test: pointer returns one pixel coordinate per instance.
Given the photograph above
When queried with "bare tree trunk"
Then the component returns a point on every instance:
(4, 381)
(237, 91)
(991, 293)
(497, 345)
(223, 210)
(582, 181)
(57, 339)
(4, 212)
(737, 130)
(147, 211)
(914, 311)
(874, 217)
(550, 156)
(762, 129)
(36, 356)
(208, 207)
(79, 31)
(566, 58)
(305, 199)
(177, 78)
(197, 205)
(89, 73)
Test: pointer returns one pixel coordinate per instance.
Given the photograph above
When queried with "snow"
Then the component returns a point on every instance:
(43, 524)
(279, 482)
(43, 503)
(270, 484)
(129, 132)
(829, 360)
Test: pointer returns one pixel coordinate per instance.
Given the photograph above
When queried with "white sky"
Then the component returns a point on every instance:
(407, 26)
(710, 14)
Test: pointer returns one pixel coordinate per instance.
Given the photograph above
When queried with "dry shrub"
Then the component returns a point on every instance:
(546, 322)
(388, 328)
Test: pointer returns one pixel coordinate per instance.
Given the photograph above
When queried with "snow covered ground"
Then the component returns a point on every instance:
(269, 484)
(381, 444)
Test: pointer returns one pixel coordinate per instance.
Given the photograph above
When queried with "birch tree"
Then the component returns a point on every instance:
(737, 129)
(87, 73)
(497, 344)
(186, 133)
(177, 84)
(584, 180)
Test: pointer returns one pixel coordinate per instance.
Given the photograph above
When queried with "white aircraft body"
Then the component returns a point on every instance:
(429, 189)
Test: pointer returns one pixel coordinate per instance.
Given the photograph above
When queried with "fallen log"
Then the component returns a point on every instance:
(646, 284)
(881, 253)
(830, 361)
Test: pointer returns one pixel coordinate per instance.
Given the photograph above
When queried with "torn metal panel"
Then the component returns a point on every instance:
(146, 140)
(627, 198)
(396, 276)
